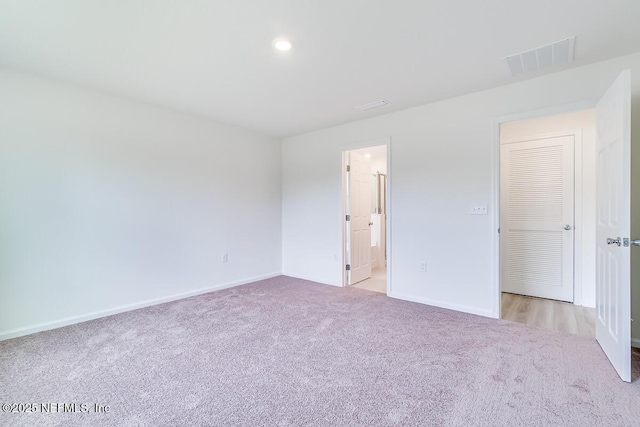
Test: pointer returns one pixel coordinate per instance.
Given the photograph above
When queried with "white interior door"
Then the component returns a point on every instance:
(613, 187)
(537, 212)
(359, 210)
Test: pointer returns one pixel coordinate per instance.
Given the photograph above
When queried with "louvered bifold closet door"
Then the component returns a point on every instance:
(537, 211)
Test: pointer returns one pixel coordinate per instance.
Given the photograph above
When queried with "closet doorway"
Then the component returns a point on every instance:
(547, 221)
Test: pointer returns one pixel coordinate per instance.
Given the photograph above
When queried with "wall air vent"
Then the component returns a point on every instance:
(557, 53)
(373, 105)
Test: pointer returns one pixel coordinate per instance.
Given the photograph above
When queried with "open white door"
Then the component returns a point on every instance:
(613, 223)
(359, 211)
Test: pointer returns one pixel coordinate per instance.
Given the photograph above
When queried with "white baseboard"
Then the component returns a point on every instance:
(311, 279)
(14, 333)
(635, 342)
(448, 306)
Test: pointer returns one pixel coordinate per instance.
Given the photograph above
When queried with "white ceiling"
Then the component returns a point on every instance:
(215, 58)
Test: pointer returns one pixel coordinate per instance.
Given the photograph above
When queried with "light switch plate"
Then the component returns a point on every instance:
(480, 209)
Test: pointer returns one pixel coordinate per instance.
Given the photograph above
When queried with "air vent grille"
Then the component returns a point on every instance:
(373, 105)
(554, 54)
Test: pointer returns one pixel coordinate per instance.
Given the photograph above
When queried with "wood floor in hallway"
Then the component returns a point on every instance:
(550, 314)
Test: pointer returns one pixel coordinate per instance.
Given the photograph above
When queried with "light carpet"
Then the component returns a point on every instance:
(289, 352)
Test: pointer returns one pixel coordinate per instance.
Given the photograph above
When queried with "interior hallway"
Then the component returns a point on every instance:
(550, 314)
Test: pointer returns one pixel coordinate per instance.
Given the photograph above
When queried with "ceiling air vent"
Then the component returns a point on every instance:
(557, 53)
(373, 105)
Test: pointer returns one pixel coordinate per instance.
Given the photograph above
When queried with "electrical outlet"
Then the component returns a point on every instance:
(423, 266)
(480, 209)
(225, 257)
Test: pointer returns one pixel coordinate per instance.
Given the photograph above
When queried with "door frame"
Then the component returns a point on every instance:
(496, 288)
(343, 210)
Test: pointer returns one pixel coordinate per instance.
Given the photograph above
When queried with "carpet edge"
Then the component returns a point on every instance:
(67, 321)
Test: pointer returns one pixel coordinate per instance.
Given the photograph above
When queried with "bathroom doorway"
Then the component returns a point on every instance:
(366, 219)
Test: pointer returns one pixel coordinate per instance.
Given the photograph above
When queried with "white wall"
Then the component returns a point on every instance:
(442, 161)
(585, 188)
(107, 204)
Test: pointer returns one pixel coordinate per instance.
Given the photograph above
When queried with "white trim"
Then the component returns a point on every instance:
(635, 342)
(388, 216)
(366, 144)
(542, 112)
(440, 304)
(345, 226)
(311, 279)
(14, 333)
(578, 214)
(494, 213)
(495, 193)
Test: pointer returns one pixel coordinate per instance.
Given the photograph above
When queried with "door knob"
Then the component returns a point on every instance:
(611, 241)
(635, 242)
(567, 227)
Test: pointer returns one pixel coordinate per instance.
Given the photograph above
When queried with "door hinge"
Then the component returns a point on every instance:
(348, 217)
(498, 231)
(348, 168)
(348, 267)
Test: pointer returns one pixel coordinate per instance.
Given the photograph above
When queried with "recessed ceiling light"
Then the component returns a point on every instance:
(367, 155)
(282, 44)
